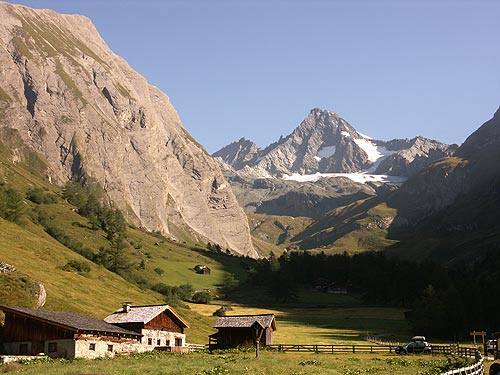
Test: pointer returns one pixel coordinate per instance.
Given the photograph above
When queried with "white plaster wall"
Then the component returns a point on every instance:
(82, 348)
(163, 336)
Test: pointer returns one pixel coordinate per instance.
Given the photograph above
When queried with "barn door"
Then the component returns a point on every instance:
(37, 347)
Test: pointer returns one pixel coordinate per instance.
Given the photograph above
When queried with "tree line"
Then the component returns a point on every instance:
(441, 302)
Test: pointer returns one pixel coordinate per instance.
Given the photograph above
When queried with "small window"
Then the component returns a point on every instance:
(168, 343)
(158, 342)
(150, 341)
(92, 347)
(52, 347)
(23, 348)
(178, 342)
(110, 348)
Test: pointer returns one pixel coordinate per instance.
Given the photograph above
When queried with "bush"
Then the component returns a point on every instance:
(11, 203)
(75, 265)
(40, 196)
(159, 271)
(219, 312)
(174, 294)
(203, 297)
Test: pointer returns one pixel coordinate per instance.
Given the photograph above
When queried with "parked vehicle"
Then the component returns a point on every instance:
(417, 345)
(491, 346)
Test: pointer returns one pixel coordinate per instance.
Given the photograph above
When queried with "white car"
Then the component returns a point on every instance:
(491, 346)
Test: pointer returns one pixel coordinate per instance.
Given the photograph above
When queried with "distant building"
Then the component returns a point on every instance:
(242, 330)
(64, 335)
(159, 325)
(201, 269)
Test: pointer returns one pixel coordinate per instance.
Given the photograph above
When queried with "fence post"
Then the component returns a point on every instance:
(354, 349)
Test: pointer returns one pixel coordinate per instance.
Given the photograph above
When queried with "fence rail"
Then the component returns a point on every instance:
(475, 369)
(333, 348)
(196, 347)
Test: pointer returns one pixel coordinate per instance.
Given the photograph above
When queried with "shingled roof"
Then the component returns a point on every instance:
(71, 321)
(246, 321)
(142, 314)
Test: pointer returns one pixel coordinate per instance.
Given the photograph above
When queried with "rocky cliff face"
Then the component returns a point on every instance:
(95, 119)
(326, 143)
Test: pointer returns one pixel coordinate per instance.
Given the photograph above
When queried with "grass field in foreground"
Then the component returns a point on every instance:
(161, 363)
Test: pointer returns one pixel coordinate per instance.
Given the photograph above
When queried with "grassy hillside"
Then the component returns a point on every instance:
(72, 281)
(274, 233)
(358, 227)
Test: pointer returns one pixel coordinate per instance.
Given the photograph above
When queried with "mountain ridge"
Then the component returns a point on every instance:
(326, 143)
(98, 122)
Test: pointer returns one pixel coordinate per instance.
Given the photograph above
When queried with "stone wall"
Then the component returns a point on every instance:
(153, 338)
(86, 346)
(93, 347)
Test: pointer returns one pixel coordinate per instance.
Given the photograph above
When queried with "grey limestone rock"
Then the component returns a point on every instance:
(93, 118)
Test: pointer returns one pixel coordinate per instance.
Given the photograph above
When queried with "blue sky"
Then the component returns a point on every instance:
(254, 69)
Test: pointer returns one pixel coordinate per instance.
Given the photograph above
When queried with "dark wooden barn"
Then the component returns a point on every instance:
(160, 326)
(63, 334)
(242, 330)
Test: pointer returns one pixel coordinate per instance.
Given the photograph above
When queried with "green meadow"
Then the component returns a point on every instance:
(268, 363)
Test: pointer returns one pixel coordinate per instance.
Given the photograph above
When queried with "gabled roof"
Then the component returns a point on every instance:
(246, 321)
(143, 314)
(71, 321)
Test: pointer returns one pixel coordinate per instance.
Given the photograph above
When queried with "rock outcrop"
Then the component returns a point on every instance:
(96, 120)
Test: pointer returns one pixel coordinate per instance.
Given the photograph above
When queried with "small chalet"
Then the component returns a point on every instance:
(63, 335)
(160, 326)
(201, 269)
(243, 330)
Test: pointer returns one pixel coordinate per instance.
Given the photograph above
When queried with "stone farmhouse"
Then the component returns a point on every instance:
(57, 334)
(64, 335)
(160, 326)
(243, 330)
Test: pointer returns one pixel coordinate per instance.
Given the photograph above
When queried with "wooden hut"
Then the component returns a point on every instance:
(160, 326)
(243, 330)
(201, 269)
(63, 335)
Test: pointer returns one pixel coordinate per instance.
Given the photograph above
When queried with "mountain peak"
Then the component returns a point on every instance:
(326, 143)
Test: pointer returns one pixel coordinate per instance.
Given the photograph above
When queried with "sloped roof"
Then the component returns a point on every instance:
(142, 314)
(246, 321)
(72, 321)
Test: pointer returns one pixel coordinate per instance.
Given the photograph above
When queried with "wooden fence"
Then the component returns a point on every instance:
(196, 347)
(333, 348)
(475, 369)
(453, 349)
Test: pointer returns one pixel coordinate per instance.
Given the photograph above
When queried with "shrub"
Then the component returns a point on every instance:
(75, 265)
(40, 196)
(159, 271)
(203, 297)
(11, 203)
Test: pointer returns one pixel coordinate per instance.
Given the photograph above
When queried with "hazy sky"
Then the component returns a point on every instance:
(254, 69)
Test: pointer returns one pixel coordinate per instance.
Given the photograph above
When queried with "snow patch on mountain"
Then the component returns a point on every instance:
(360, 177)
(345, 134)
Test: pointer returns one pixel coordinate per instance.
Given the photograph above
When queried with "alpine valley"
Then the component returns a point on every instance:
(105, 197)
(326, 186)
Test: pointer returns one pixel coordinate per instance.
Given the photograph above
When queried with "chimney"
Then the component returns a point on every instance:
(126, 306)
